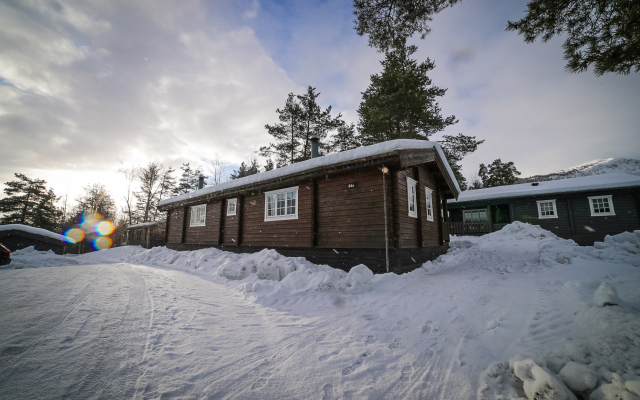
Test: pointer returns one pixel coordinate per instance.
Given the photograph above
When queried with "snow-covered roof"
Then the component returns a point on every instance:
(143, 224)
(349, 155)
(593, 182)
(36, 231)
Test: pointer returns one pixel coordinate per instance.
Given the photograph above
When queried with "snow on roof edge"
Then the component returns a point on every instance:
(349, 155)
(140, 225)
(578, 184)
(37, 231)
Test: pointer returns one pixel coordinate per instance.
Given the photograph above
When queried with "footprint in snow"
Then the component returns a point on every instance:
(369, 339)
(403, 321)
(327, 356)
(426, 329)
(328, 392)
(350, 369)
(405, 374)
(395, 344)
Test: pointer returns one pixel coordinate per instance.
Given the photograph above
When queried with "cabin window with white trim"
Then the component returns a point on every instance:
(198, 215)
(547, 209)
(231, 206)
(281, 204)
(475, 215)
(601, 205)
(428, 196)
(411, 192)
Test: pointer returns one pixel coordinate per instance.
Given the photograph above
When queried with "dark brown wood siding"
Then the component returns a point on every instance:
(406, 227)
(430, 229)
(176, 217)
(526, 210)
(207, 234)
(230, 225)
(351, 217)
(291, 232)
(588, 229)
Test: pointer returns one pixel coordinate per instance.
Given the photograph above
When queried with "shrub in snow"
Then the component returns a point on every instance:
(359, 275)
(540, 383)
(579, 377)
(606, 295)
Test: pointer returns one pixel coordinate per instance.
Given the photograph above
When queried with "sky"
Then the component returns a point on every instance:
(90, 88)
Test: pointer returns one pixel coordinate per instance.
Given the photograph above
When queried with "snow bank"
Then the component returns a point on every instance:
(37, 231)
(600, 361)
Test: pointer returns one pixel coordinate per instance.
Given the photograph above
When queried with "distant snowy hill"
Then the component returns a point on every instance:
(595, 167)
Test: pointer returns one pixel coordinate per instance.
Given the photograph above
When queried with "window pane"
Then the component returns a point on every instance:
(271, 205)
(291, 203)
(280, 206)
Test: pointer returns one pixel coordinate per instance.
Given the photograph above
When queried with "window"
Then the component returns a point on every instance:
(281, 204)
(475, 215)
(601, 205)
(547, 209)
(198, 214)
(428, 196)
(411, 191)
(231, 206)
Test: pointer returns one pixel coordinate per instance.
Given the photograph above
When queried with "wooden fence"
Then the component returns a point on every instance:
(469, 228)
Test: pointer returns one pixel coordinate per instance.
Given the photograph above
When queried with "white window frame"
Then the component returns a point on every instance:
(233, 202)
(428, 197)
(464, 214)
(286, 216)
(200, 210)
(555, 209)
(601, 214)
(412, 183)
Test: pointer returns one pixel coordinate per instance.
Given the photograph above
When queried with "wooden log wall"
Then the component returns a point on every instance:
(291, 232)
(406, 226)
(429, 228)
(207, 234)
(350, 217)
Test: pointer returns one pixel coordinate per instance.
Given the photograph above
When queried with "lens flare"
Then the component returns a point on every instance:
(89, 220)
(102, 243)
(76, 235)
(104, 228)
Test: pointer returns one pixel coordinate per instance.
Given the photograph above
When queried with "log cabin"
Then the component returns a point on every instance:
(382, 205)
(584, 209)
(147, 234)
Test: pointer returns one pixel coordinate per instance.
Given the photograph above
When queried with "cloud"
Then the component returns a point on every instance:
(86, 85)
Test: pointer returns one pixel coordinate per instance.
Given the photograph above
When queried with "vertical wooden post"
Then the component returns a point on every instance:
(314, 213)
(440, 216)
(446, 234)
(419, 208)
(184, 224)
(166, 228)
(239, 207)
(512, 213)
(570, 214)
(489, 219)
(221, 225)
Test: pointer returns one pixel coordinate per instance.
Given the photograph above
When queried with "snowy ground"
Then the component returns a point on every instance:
(510, 315)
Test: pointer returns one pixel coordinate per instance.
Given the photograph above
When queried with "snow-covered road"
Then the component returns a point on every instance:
(177, 329)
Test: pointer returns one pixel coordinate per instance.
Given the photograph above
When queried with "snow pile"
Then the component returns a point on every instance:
(31, 258)
(623, 248)
(540, 383)
(600, 361)
(606, 295)
(36, 231)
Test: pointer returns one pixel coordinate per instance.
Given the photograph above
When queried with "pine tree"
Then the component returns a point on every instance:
(315, 122)
(246, 170)
(189, 179)
(268, 166)
(498, 174)
(346, 138)
(455, 148)
(147, 196)
(400, 103)
(29, 203)
(166, 187)
(286, 133)
(46, 215)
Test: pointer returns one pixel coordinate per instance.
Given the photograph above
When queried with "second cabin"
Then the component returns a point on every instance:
(383, 206)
